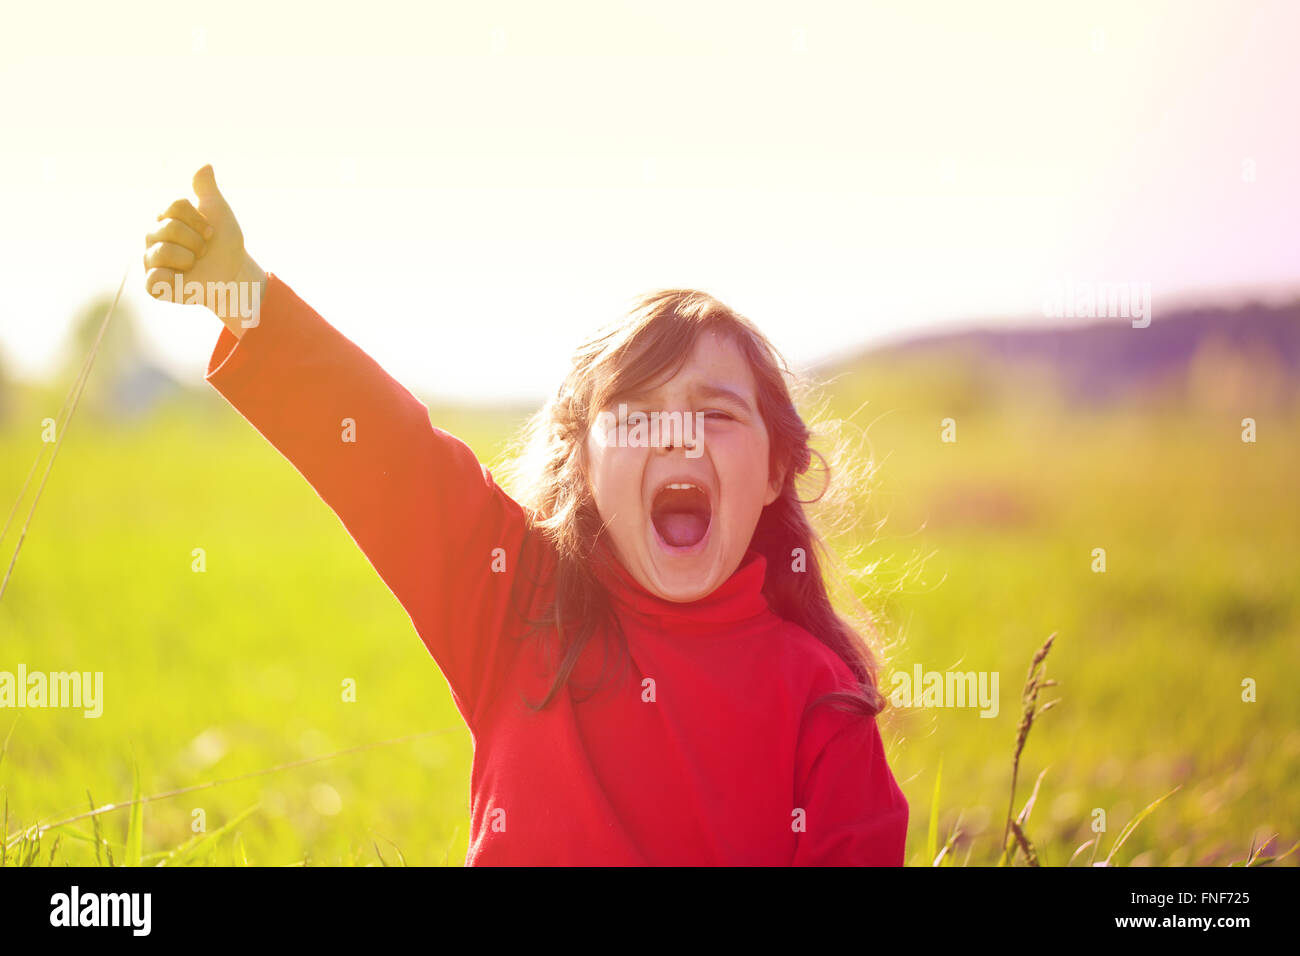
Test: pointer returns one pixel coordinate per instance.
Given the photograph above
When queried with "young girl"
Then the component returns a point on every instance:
(642, 646)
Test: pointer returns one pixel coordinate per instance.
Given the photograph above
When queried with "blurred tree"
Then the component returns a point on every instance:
(118, 354)
(123, 382)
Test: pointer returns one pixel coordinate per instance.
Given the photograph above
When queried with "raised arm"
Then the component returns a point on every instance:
(417, 502)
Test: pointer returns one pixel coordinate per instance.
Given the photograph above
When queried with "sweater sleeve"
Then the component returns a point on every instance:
(416, 501)
(856, 814)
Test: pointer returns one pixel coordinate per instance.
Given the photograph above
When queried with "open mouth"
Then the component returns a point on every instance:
(681, 513)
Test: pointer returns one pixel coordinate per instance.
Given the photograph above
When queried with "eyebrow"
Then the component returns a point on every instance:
(706, 390)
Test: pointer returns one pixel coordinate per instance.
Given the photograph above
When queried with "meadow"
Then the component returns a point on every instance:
(980, 549)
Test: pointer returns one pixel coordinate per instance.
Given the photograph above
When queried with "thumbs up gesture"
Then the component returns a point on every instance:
(200, 250)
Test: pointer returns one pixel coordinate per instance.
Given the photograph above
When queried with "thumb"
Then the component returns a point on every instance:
(205, 186)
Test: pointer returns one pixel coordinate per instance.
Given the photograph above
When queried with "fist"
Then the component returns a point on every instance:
(202, 245)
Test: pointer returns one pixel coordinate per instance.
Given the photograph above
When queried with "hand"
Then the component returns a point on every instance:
(204, 245)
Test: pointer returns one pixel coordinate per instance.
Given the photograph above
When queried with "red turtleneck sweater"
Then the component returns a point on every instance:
(697, 750)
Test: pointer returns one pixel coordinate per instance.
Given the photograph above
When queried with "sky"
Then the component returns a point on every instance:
(468, 190)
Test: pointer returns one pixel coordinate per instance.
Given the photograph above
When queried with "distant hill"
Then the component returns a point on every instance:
(1213, 357)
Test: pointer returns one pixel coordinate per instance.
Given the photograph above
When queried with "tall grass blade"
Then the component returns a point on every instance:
(203, 841)
(932, 835)
(135, 829)
(62, 429)
(1132, 825)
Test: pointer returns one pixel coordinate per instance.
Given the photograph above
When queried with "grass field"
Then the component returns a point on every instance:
(986, 550)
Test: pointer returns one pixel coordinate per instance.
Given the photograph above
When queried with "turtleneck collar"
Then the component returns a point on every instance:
(738, 598)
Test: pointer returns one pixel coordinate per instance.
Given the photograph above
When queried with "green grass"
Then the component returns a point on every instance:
(226, 673)
(1201, 590)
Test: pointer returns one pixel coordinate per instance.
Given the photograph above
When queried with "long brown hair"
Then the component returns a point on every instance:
(547, 475)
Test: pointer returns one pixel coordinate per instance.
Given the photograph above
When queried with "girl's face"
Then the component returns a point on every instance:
(680, 513)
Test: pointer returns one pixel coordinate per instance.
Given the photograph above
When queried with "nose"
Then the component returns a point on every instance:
(678, 431)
